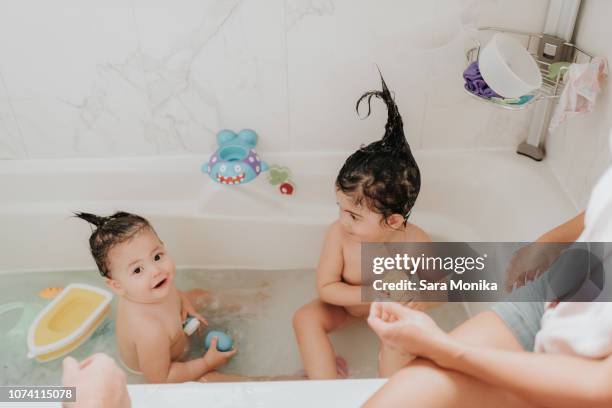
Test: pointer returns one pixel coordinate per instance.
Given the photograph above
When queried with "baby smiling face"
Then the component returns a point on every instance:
(141, 269)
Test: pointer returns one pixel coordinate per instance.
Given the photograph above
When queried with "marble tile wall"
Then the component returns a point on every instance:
(147, 77)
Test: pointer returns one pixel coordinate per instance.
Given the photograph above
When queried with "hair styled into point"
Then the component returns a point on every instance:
(383, 175)
(110, 231)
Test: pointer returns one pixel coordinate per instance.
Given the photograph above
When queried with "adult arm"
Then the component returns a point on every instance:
(534, 259)
(569, 231)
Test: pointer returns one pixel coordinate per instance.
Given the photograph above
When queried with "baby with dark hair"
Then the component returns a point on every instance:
(150, 312)
(375, 191)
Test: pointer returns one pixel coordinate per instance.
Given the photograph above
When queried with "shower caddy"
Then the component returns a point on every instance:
(540, 47)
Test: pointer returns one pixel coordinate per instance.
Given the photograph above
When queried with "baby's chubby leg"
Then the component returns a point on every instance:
(312, 323)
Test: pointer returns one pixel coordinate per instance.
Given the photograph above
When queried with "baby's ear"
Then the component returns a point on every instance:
(395, 221)
(115, 286)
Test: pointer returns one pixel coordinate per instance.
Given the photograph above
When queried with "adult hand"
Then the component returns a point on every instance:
(406, 330)
(98, 380)
(531, 261)
(215, 358)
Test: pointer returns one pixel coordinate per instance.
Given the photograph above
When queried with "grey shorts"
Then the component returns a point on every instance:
(524, 318)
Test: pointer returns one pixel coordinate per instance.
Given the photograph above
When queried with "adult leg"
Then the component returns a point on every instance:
(489, 330)
(423, 384)
(485, 329)
(312, 323)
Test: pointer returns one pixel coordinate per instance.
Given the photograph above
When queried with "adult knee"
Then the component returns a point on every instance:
(423, 376)
(422, 383)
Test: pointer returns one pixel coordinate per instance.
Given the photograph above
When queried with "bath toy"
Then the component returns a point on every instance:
(190, 325)
(281, 176)
(286, 188)
(50, 293)
(235, 161)
(224, 343)
(66, 322)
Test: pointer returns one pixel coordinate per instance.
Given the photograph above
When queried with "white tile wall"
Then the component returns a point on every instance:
(211, 65)
(331, 62)
(578, 151)
(145, 77)
(69, 76)
(11, 142)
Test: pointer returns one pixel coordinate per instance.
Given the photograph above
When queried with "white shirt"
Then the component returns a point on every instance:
(580, 328)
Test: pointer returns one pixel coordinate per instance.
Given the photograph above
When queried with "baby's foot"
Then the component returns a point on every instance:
(301, 373)
(341, 367)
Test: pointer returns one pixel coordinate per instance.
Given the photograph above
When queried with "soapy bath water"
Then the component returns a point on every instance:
(254, 307)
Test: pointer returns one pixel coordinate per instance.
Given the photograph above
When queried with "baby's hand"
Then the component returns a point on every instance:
(215, 358)
(187, 309)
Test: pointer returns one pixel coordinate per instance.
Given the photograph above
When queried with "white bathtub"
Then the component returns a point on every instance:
(477, 195)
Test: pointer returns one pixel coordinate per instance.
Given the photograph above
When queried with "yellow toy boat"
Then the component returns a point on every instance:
(67, 321)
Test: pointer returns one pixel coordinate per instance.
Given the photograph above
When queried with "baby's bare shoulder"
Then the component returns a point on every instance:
(334, 228)
(335, 233)
(414, 233)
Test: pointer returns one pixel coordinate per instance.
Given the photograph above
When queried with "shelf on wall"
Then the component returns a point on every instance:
(551, 88)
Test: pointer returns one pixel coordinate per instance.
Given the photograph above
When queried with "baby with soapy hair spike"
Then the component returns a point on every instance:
(151, 310)
(375, 191)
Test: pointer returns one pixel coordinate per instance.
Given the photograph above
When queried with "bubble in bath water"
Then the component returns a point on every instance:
(254, 307)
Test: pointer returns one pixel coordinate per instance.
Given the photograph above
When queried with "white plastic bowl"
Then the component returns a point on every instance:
(508, 68)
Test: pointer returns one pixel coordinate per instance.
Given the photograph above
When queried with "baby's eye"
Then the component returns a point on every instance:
(138, 270)
(158, 256)
(353, 217)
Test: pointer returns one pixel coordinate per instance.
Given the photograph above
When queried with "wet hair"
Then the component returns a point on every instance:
(110, 231)
(383, 174)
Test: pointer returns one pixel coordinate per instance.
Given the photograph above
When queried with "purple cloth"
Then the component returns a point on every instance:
(475, 84)
(472, 72)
